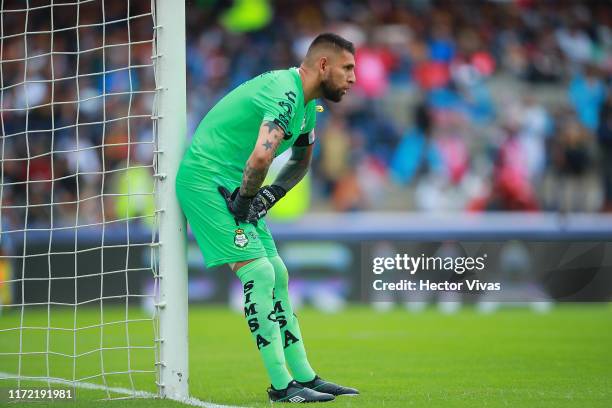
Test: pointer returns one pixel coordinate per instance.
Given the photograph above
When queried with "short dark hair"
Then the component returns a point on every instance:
(334, 40)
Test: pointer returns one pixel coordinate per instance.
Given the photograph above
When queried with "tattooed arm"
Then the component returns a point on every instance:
(291, 174)
(296, 168)
(270, 136)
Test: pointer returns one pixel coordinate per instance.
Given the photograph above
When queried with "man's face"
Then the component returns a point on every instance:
(338, 76)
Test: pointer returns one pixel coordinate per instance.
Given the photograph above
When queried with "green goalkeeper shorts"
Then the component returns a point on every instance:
(213, 226)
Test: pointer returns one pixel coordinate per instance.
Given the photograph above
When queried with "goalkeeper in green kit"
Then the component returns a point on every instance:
(219, 187)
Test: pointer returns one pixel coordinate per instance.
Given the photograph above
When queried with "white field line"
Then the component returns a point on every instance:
(135, 393)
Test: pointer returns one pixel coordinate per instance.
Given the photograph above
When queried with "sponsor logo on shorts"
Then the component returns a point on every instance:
(240, 239)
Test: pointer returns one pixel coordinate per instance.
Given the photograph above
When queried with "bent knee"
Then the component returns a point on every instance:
(281, 275)
(234, 266)
(258, 271)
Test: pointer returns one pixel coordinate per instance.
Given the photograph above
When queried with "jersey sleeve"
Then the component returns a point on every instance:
(307, 137)
(311, 117)
(277, 101)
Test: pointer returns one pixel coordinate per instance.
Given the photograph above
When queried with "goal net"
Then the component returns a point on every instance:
(92, 276)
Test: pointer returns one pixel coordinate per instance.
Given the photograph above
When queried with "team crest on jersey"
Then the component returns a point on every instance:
(240, 239)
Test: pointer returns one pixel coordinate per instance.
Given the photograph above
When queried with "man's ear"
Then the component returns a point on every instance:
(323, 62)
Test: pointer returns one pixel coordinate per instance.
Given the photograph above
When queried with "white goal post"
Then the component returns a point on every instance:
(171, 128)
(93, 268)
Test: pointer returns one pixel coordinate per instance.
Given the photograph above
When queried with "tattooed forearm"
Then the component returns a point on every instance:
(290, 175)
(295, 169)
(270, 136)
(252, 179)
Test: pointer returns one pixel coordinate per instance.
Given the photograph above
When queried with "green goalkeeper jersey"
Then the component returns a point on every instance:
(226, 136)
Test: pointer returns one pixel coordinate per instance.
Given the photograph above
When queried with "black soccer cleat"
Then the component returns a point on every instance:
(297, 393)
(320, 385)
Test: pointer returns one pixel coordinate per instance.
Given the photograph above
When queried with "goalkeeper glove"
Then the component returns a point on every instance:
(266, 197)
(239, 205)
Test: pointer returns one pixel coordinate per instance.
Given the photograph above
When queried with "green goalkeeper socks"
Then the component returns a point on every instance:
(291, 337)
(257, 280)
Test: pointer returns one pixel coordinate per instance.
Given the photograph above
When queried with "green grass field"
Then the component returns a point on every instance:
(513, 358)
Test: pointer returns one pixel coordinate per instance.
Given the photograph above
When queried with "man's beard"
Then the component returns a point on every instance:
(330, 93)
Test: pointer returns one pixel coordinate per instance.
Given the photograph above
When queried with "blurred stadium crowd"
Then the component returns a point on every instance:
(459, 105)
